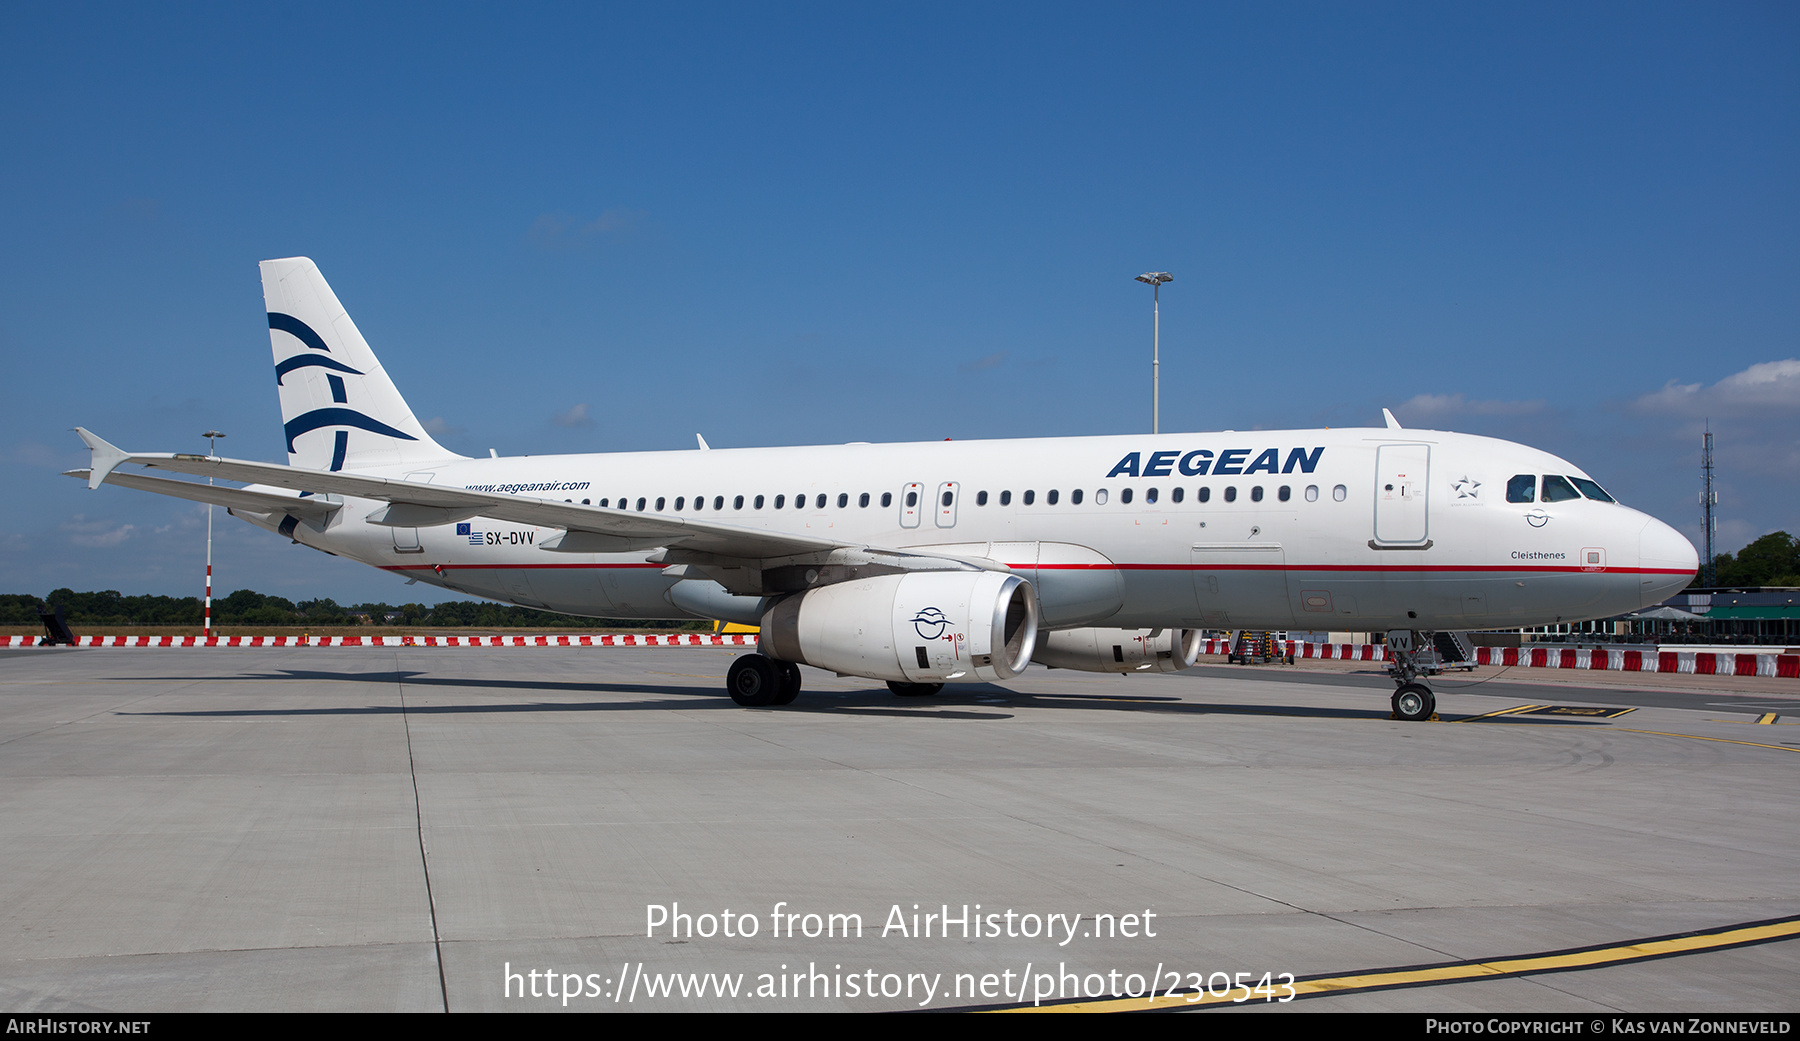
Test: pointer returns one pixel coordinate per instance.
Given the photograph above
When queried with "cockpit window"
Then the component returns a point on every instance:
(1592, 490)
(1522, 488)
(1558, 489)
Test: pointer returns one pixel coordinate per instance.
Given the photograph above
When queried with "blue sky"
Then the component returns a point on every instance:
(586, 228)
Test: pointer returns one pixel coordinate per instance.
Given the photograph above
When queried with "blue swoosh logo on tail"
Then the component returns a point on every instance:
(338, 417)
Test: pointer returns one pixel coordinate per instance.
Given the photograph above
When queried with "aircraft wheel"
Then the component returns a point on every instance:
(914, 690)
(753, 681)
(790, 683)
(1414, 702)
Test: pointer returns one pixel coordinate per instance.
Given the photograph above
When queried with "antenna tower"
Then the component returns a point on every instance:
(1708, 499)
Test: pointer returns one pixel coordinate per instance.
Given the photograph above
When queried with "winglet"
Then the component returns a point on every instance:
(703, 445)
(1393, 424)
(107, 457)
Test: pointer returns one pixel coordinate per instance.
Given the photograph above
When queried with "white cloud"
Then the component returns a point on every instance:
(992, 361)
(573, 417)
(34, 454)
(562, 231)
(1765, 385)
(96, 534)
(1430, 407)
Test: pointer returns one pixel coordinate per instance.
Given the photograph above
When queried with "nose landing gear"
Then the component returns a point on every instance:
(1413, 702)
(1414, 654)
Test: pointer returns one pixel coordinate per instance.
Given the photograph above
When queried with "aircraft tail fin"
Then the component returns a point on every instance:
(339, 408)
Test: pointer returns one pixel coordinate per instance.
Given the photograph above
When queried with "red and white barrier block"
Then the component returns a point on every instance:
(559, 640)
(1701, 663)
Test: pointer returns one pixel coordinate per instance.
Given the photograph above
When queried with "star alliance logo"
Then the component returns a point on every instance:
(1467, 488)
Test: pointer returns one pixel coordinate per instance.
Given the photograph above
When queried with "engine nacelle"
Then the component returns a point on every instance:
(1119, 650)
(921, 627)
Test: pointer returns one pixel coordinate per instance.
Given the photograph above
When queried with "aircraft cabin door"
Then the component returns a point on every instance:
(946, 504)
(1402, 480)
(406, 540)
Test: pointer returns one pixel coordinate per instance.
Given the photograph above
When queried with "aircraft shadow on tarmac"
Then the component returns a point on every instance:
(976, 701)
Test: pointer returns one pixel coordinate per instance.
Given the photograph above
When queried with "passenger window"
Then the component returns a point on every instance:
(799, 502)
(1592, 490)
(981, 498)
(1149, 495)
(1338, 492)
(1256, 494)
(737, 503)
(1100, 497)
(1050, 497)
(1312, 493)
(887, 499)
(640, 505)
(1231, 493)
(1177, 493)
(679, 501)
(1205, 495)
(780, 501)
(843, 499)
(862, 501)
(912, 499)
(1558, 489)
(949, 497)
(1030, 496)
(1006, 498)
(1075, 497)
(1522, 488)
(757, 502)
(603, 502)
(719, 502)
(1124, 495)
(819, 503)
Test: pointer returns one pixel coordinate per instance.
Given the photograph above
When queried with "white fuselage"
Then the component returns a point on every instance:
(1350, 529)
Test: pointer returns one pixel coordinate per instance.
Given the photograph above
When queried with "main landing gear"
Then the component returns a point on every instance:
(755, 680)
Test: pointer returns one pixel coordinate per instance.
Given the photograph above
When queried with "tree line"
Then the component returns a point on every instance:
(1773, 560)
(248, 607)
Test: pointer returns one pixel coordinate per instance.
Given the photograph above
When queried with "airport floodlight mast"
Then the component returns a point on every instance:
(1155, 279)
(1709, 573)
(212, 438)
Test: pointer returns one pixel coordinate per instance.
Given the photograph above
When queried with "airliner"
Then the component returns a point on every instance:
(944, 561)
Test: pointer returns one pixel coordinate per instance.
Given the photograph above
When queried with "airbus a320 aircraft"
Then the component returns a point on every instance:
(946, 561)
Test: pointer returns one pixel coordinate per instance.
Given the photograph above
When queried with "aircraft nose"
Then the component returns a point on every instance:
(1667, 561)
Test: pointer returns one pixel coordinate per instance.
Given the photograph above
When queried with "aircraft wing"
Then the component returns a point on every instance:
(590, 529)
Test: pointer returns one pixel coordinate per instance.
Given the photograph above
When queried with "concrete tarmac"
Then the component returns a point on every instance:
(495, 829)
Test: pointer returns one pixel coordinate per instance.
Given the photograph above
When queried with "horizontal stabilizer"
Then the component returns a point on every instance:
(647, 530)
(245, 499)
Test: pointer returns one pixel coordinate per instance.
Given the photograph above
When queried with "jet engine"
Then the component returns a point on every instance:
(1119, 650)
(920, 627)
